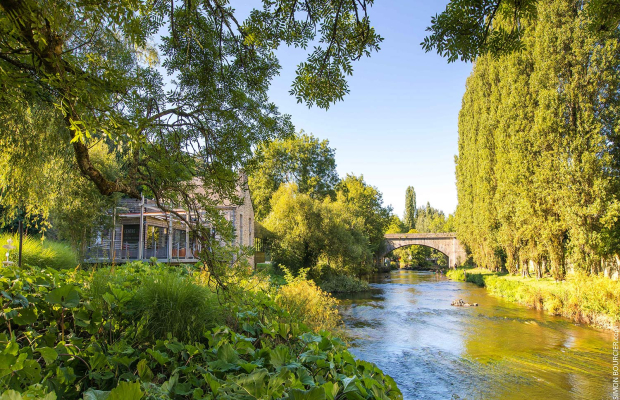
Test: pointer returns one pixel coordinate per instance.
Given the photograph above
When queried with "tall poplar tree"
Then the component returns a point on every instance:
(537, 170)
(410, 208)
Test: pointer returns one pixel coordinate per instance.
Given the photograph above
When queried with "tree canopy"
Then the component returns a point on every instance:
(300, 159)
(537, 170)
(176, 91)
(342, 234)
(470, 28)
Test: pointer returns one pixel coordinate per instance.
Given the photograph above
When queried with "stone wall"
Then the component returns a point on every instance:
(244, 222)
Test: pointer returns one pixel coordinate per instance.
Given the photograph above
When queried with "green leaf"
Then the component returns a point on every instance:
(348, 384)
(304, 377)
(213, 382)
(31, 371)
(6, 362)
(11, 395)
(347, 357)
(66, 296)
(331, 389)
(144, 372)
(248, 367)
(126, 391)
(254, 383)
(159, 356)
(279, 356)
(49, 355)
(12, 348)
(92, 394)
(175, 347)
(26, 316)
(227, 353)
(316, 393)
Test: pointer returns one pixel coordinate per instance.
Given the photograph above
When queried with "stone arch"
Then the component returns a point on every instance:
(446, 243)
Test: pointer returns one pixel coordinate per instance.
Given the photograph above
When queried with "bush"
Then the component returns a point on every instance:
(40, 253)
(456, 274)
(344, 284)
(307, 303)
(172, 304)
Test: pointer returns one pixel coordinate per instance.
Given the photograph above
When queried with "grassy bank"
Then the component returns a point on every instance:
(40, 253)
(591, 300)
(138, 331)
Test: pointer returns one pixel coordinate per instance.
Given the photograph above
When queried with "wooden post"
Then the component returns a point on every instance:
(186, 242)
(141, 237)
(21, 239)
(113, 248)
(170, 237)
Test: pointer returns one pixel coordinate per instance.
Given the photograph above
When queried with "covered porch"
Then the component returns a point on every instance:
(141, 231)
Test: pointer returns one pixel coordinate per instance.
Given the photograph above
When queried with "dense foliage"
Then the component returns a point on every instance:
(301, 159)
(468, 29)
(537, 170)
(174, 92)
(340, 236)
(315, 220)
(38, 252)
(76, 334)
(409, 218)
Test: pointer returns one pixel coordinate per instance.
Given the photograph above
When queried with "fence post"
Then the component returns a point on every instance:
(21, 239)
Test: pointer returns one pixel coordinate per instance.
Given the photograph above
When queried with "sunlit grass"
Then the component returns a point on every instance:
(40, 253)
(590, 299)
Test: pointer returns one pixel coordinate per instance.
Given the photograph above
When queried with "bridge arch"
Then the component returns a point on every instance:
(446, 243)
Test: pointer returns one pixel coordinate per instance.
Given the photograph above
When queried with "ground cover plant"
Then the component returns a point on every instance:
(76, 334)
(593, 300)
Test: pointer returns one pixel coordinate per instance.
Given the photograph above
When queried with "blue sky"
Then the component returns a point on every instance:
(398, 125)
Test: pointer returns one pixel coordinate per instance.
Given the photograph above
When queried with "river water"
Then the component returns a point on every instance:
(498, 350)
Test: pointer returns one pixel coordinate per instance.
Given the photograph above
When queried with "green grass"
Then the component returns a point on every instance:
(175, 305)
(593, 300)
(40, 253)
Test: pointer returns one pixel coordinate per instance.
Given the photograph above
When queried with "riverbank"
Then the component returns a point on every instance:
(159, 331)
(590, 300)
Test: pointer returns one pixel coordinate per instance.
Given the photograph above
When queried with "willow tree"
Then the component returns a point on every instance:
(176, 90)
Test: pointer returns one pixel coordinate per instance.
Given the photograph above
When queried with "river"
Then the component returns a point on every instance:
(498, 350)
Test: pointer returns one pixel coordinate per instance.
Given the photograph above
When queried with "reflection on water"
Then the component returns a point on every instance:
(498, 350)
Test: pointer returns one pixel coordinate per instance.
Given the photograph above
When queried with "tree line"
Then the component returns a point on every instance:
(314, 219)
(538, 162)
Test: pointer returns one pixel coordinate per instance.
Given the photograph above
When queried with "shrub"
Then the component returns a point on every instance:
(40, 253)
(456, 274)
(344, 284)
(478, 279)
(172, 304)
(307, 303)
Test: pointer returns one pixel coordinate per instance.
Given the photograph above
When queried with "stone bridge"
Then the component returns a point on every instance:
(447, 243)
